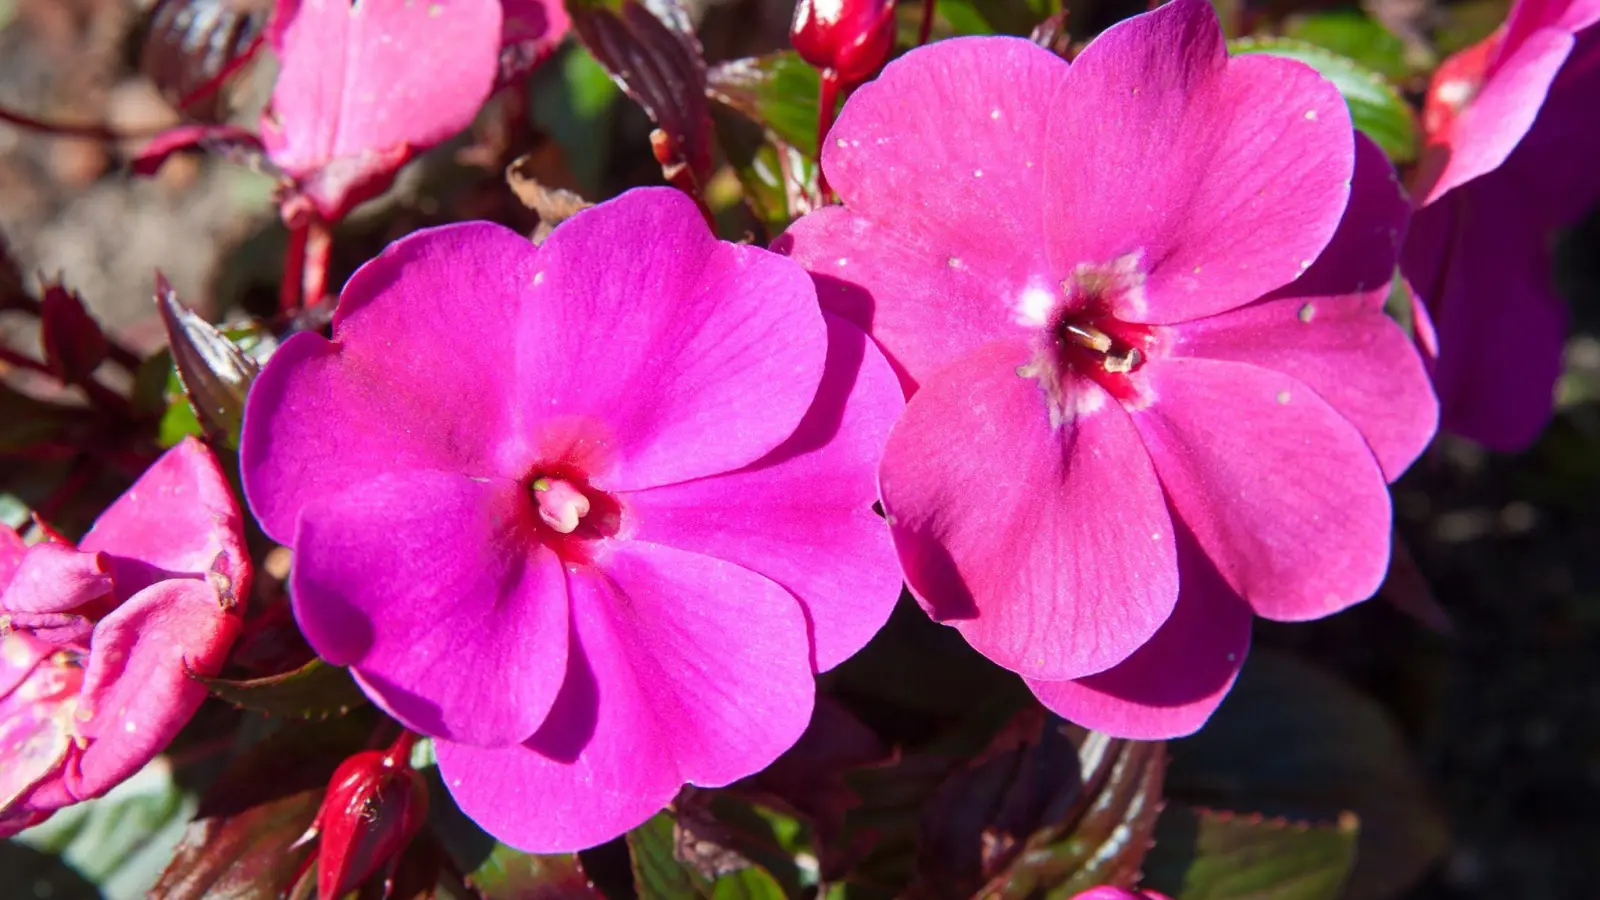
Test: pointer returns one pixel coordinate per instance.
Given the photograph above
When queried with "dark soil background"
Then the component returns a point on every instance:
(1503, 712)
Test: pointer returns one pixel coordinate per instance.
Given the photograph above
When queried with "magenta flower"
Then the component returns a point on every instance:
(1513, 138)
(590, 513)
(1137, 307)
(97, 642)
(1107, 892)
(364, 87)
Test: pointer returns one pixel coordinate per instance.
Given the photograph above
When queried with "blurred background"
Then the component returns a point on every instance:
(1485, 652)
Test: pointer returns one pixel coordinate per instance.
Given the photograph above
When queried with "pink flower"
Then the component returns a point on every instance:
(1107, 892)
(1512, 143)
(1137, 307)
(590, 513)
(97, 642)
(364, 87)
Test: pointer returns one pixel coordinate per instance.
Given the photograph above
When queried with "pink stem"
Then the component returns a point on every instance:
(294, 268)
(91, 132)
(318, 253)
(827, 108)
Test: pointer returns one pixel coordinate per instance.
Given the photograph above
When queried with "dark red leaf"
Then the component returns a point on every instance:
(239, 846)
(216, 374)
(652, 54)
(74, 345)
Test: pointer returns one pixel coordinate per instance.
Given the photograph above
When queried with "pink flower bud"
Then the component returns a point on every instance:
(74, 346)
(851, 37)
(376, 804)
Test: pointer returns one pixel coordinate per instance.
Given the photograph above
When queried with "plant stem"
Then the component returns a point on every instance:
(827, 108)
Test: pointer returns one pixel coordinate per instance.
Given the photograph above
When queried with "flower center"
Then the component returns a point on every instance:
(1080, 336)
(572, 514)
(561, 506)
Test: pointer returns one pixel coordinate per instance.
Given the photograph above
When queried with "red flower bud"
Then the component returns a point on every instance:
(851, 37)
(376, 804)
(74, 345)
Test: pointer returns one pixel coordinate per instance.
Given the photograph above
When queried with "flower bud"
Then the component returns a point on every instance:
(74, 345)
(851, 37)
(376, 803)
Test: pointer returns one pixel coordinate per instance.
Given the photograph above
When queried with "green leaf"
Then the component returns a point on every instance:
(1359, 37)
(316, 690)
(777, 182)
(122, 841)
(1049, 808)
(1293, 741)
(777, 91)
(675, 862)
(1376, 108)
(216, 373)
(1205, 855)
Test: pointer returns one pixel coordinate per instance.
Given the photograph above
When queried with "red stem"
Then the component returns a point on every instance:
(294, 268)
(100, 395)
(318, 253)
(92, 132)
(827, 108)
(927, 22)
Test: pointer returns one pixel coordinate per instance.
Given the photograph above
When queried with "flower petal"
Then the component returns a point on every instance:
(349, 82)
(940, 161)
(435, 589)
(419, 374)
(36, 719)
(1164, 147)
(179, 518)
(137, 692)
(1049, 548)
(55, 578)
(1499, 116)
(802, 516)
(1328, 328)
(670, 354)
(1169, 687)
(684, 669)
(1281, 492)
(1483, 270)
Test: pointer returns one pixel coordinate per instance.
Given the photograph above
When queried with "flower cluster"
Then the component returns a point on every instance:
(98, 642)
(1092, 358)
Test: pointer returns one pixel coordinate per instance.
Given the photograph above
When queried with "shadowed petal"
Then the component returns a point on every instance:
(1281, 492)
(1049, 548)
(435, 589)
(1169, 687)
(802, 516)
(684, 669)
(1162, 146)
(1328, 329)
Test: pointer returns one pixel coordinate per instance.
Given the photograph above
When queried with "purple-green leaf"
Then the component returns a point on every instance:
(216, 374)
(1205, 855)
(316, 690)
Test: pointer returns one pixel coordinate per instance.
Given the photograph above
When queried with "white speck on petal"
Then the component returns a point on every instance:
(843, 261)
(1034, 306)
(994, 114)
(1233, 657)
(955, 262)
(977, 173)
(538, 278)
(841, 142)
(1307, 312)
(1311, 115)
(1305, 264)
(1283, 396)
(131, 726)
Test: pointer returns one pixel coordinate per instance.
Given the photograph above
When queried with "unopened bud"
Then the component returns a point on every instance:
(74, 345)
(851, 37)
(376, 803)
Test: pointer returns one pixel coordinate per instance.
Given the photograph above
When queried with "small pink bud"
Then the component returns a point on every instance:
(74, 346)
(376, 804)
(851, 37)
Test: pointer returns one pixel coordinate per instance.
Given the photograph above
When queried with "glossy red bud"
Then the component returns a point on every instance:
(376, 803)
(851, 37)
(74, 345)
